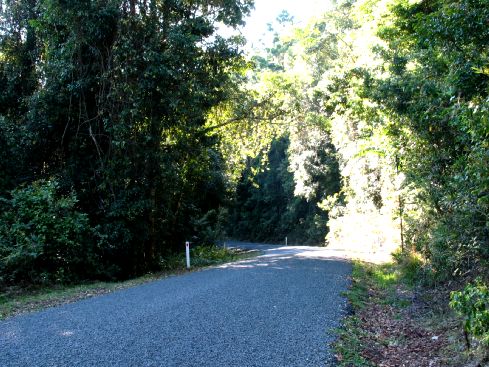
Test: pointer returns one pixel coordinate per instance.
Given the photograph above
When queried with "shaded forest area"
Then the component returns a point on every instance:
(127, 127)
(107, 165)
(266, 207)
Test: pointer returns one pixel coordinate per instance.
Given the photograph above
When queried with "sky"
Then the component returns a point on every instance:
(267, 10)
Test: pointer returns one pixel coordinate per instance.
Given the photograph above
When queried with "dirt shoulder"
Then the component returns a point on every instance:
(395, 323)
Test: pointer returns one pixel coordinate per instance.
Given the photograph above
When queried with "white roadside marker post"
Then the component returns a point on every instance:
(286, 241)
(187, 253)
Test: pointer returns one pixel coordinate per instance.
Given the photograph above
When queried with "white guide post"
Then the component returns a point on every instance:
(286, 241)
(187, 253)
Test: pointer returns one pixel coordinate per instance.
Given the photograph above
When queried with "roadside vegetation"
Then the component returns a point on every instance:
(397, 319)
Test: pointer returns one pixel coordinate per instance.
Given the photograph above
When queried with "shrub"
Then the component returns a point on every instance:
(200, 256)
(473, 304)
(413, 267)
(208, 255)
(43, 237)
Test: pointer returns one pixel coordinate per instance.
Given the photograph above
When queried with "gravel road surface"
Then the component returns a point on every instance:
(274, 310)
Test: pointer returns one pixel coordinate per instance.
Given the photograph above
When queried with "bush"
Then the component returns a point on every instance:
(413, 267)
(209, 255)
(473, 304)
(43, 238)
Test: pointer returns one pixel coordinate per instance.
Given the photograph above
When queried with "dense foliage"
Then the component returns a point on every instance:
(291, 167)
(268, 208)
(473, 304)
(437, 91)
(401, 88)
(109, 99)
(43, 236)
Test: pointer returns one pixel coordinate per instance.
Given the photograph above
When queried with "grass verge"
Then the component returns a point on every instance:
(17, 300)
(396, 322)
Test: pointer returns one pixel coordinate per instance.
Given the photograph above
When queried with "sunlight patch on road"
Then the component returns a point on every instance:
(273, 254)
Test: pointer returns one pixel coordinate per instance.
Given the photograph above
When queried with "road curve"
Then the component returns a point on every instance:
(275, 310)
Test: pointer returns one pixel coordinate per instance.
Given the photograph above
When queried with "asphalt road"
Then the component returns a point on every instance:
(275, 310)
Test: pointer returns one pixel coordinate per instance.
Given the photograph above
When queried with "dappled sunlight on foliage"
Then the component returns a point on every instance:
(267, 207)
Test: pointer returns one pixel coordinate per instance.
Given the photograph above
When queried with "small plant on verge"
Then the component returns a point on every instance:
(472, 303)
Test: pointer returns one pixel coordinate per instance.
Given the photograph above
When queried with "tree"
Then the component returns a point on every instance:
(436, 90)
(112, 98)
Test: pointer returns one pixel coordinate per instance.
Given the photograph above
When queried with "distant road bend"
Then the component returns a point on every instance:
(274, 310)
